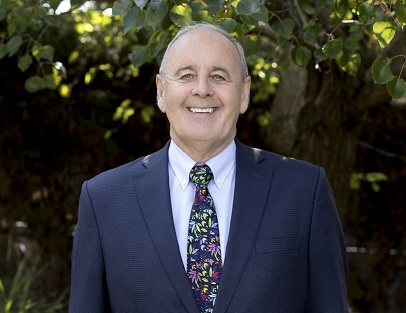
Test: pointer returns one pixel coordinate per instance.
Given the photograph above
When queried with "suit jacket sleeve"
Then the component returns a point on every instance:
(88, 286)
(327, 254)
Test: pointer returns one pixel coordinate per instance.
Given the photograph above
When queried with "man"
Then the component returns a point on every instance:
(262, 236)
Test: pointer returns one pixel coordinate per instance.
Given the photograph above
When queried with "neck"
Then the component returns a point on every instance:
(201, 152)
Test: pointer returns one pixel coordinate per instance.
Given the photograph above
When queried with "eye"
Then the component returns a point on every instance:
(187, 76)
(218, 78)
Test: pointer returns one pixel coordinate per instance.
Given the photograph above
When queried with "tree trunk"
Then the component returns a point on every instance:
(312, 119)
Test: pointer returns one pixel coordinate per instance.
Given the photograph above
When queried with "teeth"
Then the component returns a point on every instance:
(202, 110)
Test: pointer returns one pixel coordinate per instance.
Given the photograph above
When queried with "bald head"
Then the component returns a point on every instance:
(210, 27)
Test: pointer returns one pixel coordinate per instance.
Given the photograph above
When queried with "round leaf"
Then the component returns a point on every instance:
(311, 34)
(46, 53)
(381, 71)
(181, 15)
(3, 50)
(3, 13)
(384, 31)
(24, 62)
(49, 82)
(248, 7)
(396, 88)
(34, 84)
(121, 7)
(349, 62)
(157, 11)
(333, 48)
(301, 56)
(228, 24)
(141, 3)
(139, 55)
(14, 44)
(400, 10)
(284, 28)
(130, 18)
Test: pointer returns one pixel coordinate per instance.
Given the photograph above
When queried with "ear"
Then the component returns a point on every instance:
(245, 96)
(160, 89)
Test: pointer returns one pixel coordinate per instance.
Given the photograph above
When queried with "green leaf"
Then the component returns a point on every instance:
(3, 13)
(284, 28)
(400, 10)
(349, 62)
(14, 44)
(181, 15)
(46, 53)
(24, 62)
(53, 20)
(301, 56)
(158, 42)
(384, 31)
(121, 7)
(375, 187)
(365, 11)
(332, 48)
(355, 181)
(311, 34)
(141, 3)
(381, 71)
(228, 24)
(139, 55)
(376, 177)
(34, 84)
(262, 15)
(157, 11)
(213, 6)
(396, 88)
(130, 19)
(353, 41)
(319, 54)
(251, 44)
(248, 7)
(3, 50)
(49, 82)
(142, 20)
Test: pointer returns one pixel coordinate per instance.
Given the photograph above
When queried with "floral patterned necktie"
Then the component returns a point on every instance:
(203, 249)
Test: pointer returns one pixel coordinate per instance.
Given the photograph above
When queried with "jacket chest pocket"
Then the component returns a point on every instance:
(277, 245)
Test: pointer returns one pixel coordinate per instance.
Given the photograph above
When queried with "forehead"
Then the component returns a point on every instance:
(201, 47)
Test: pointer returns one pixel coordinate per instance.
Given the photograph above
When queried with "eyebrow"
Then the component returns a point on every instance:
(184, 68)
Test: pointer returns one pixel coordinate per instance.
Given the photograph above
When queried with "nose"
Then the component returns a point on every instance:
(202, 87)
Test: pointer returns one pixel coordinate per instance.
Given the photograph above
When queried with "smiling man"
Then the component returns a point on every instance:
(207, 224)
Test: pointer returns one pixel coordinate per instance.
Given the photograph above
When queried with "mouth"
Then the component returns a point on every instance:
(202, 110)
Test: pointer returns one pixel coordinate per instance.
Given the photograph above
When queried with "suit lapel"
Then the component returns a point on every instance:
(151, 179)
(252, 186)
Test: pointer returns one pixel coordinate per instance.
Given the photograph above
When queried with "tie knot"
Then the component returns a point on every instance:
(201, 175)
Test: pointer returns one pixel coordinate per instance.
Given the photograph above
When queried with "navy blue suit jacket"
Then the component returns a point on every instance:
(285, 253)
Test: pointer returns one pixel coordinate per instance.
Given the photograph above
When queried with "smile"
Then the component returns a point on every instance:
(202, 110)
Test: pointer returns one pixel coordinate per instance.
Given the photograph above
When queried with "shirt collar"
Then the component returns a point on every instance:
(221, 164)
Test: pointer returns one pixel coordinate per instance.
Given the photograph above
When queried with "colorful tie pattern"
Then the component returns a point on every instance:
(203, 250)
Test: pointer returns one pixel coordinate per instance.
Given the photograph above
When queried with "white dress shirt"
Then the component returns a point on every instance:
(182, 192)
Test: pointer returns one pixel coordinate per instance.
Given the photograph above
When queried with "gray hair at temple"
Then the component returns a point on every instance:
(204, 25)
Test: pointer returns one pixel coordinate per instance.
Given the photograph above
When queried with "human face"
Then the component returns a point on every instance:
(202, 92)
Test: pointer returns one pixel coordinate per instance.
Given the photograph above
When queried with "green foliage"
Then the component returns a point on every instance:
(16, 296)
(372, 178)
(305, 32)
(342, 39)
